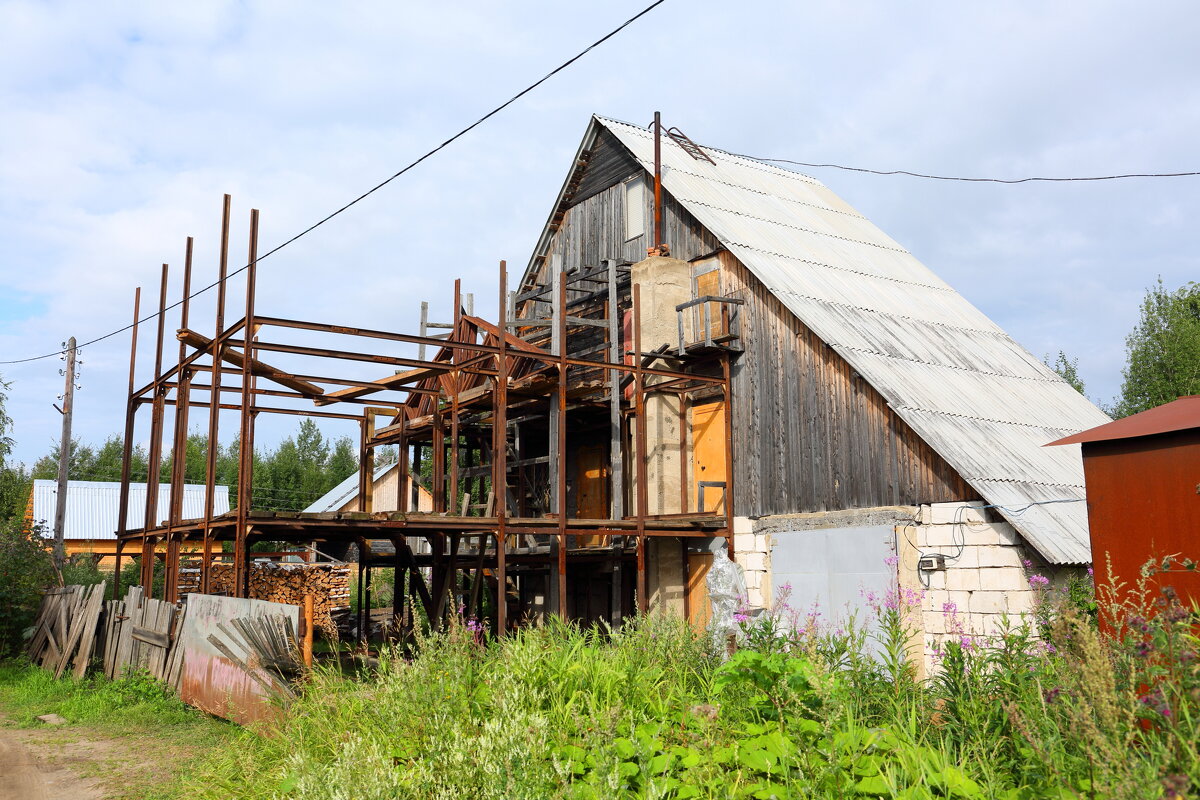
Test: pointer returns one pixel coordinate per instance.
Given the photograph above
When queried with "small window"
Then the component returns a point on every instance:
(635, 208)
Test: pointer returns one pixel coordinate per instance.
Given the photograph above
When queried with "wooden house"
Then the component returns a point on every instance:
(885, 432)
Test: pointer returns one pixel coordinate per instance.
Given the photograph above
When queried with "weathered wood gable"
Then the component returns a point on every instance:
(809, 433)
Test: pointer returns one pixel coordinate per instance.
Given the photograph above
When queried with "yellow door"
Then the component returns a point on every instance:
(697, 589)
(708, 456)
(709, 284)
(591, 495)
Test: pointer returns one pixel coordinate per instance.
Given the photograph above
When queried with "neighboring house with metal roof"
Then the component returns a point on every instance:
(92, 511)
(344, 496)
(875, 409)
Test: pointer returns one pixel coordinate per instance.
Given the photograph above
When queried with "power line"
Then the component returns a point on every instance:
(383, 183)
(968, 180)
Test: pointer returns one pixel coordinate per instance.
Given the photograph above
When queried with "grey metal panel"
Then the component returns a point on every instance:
(980, 400)
(833, 570)
(92, 506)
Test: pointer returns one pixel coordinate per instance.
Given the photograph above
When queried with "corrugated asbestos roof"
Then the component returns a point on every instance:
(978, 398)
(92, 506)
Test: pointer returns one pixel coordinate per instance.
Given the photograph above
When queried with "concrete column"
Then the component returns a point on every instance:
(665, 283)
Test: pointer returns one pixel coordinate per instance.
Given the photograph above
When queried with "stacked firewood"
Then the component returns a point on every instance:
(284, 582)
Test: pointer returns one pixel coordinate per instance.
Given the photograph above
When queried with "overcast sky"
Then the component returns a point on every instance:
(122, 124)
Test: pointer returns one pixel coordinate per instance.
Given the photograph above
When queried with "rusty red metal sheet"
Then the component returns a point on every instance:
(211, 681)
(1143, 499)
(1179, 415)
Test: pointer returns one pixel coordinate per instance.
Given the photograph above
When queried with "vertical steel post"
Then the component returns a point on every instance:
(183, 401)
(156, 420)
(616, 441)
(640, 433)
(658, 233)
(214, 405)
(500, 456)
(154, 458)
(730, 467)
(456, 383)
(402, 464)
(561, 444)
(127, 447)
(241, 568)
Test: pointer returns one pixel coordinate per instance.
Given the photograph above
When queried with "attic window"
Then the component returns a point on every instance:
(635, 208)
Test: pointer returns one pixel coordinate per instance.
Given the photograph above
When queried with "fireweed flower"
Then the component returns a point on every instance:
(1039, 581)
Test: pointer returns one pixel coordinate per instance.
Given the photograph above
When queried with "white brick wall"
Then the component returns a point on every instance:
(984, 578)
(752, 551)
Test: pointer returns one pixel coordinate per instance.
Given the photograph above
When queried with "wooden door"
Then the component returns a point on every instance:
(708, 456)
(707, 281)
(697, 589)
(591, 492)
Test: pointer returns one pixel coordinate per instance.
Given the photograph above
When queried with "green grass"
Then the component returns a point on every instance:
(135, 704)
(151, 739)
(1050, 709)
(651, 712)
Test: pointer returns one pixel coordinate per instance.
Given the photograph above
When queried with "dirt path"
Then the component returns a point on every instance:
(33, 766)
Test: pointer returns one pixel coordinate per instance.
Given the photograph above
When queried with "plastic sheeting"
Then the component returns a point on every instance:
(726, 597)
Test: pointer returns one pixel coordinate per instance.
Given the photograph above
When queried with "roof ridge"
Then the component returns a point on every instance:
(752, 163)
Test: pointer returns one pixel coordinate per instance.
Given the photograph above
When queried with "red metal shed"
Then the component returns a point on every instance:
(1143, 492)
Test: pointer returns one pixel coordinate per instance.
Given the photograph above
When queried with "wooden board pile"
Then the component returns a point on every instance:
(64, 631)
(143, 634)
(285, 582)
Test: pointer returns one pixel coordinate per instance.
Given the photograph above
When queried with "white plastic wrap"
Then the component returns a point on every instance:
(726, 596)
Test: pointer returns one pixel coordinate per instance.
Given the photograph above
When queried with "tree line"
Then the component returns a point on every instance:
(1162, 353)
(288, 477)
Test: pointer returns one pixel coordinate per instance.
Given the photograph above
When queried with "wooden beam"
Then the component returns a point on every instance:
(201, 342)
(390, 382)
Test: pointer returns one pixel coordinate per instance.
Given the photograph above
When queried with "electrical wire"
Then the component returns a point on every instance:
(379, 185)
(966, 180)
(959, 537)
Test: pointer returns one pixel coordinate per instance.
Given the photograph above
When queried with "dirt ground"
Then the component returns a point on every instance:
(66, 763)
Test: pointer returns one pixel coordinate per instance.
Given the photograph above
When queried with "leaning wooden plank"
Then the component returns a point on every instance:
(165, 624)
(116, 611)
(139, 656)
(91, 621)
(41, 623)
(77, 628)
(161, 626)
(175, 671)
(133, 616)
(41, 629)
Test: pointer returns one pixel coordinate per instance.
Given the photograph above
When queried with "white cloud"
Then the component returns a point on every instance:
(122, 124)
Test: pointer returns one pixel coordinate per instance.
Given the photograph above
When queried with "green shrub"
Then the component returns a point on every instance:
(26, 569)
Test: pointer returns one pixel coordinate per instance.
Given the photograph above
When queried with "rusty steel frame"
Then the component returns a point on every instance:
(475, 357)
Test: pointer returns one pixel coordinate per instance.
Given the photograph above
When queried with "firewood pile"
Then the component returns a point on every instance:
(285, 582)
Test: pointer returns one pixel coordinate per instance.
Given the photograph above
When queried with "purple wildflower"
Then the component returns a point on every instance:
(1039, 581)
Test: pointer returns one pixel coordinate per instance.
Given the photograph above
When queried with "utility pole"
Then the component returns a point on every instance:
(64, 457)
